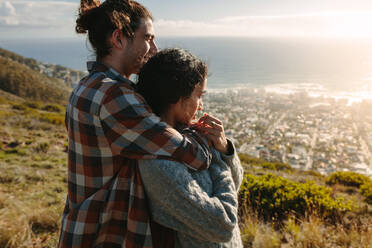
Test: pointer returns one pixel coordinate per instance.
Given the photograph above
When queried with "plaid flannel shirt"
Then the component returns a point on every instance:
(109, 127)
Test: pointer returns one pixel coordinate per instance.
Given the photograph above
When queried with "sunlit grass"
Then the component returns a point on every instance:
(32, 174)
(33, 185)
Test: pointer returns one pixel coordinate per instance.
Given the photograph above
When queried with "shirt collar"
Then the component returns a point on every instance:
(95, 66)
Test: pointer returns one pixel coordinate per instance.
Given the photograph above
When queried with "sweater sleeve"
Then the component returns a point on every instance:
(178, 202)
(133, 131)
(236, 168)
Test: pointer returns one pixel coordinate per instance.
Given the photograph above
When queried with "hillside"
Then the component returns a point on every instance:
(279, 206)
(69, 76)
(33, 80)
(32, 63)
(22, 81)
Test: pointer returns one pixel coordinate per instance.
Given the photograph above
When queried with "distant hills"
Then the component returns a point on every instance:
(36, 81)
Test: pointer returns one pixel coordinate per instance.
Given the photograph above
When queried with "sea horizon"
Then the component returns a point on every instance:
(340, 68)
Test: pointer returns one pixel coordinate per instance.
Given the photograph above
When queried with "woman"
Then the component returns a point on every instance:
(201, 207)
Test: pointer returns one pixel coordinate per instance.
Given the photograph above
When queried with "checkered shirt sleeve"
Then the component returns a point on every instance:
(133, 131)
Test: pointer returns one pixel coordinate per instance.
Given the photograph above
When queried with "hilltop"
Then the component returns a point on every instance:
(33, 80)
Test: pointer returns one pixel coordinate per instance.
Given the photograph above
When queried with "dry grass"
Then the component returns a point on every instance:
(256, 233)
(310, 232)
(32, 179)
(28, 225)
(266, 237)
(249, 225)
(33, 189)
(15, 230)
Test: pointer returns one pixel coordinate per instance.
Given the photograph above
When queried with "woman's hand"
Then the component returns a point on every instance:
(213, 130)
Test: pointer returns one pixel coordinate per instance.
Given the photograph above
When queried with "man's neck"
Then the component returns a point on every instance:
(110, 62)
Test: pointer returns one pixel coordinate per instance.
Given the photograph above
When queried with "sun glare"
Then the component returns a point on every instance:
(351, 25)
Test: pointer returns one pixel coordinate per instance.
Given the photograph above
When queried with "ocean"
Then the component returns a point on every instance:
(338, 67)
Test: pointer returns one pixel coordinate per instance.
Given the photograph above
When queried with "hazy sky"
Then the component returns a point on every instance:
(32, 19)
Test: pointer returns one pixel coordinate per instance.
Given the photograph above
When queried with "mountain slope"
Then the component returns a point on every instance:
(19, 79)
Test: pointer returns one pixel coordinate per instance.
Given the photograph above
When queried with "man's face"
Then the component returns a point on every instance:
(141, 48)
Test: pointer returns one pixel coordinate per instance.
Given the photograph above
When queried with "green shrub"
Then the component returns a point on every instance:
(347, 178)
(32, 104)
(18, 151)
(53, 118)
(53, 108)
(258, 162)
(42, 147)
(366, 191)
(20, 106)
(312, 173)
(276, 197)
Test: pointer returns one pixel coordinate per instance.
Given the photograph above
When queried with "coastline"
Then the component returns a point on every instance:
(309, 89)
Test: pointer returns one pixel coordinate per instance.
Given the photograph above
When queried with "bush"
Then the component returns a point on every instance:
(264, 164)
(53, 118)
(366, 191)
(20, 106)
(53, 108)
(312, 173)
(276, 197)
(31, 104)
(347, 178)
(42, 147)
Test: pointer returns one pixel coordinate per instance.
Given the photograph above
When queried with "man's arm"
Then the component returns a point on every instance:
(135, 132)
(178, 202)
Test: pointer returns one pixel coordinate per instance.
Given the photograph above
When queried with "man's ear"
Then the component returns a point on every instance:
(118, 40)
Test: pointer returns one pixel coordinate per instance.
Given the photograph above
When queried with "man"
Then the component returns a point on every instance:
(109, 127)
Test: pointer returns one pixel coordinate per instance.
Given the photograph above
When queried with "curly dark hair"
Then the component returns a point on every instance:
(101, 20)
(169, 75)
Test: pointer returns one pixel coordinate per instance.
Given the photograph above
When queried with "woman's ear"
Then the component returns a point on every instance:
(118, 40)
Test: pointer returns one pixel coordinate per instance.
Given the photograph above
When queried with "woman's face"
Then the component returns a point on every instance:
(188, 107)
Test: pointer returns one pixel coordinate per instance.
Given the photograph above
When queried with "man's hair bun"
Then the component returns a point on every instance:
(87, 12)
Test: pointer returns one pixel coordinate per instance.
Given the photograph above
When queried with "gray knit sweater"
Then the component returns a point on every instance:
(200, 206)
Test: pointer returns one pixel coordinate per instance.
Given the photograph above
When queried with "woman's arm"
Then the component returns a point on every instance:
(233, 162)
(178, 202)
(214, 131)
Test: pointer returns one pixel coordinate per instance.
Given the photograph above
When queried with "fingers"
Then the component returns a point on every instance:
(208, 119)
(213, 130)
(216, 136)
(213, 125)
(220, 144)
(210, 130)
